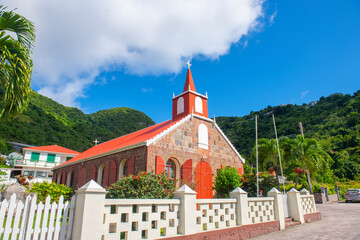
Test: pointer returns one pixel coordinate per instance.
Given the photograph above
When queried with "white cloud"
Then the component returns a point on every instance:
(76, 40)
(303, 94)
(272, 18)
(146, 90)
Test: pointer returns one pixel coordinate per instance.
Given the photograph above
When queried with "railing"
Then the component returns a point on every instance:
(30, 220)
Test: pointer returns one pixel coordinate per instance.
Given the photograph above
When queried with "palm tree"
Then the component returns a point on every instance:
(309, 155)
(268, 156)
(15, 61)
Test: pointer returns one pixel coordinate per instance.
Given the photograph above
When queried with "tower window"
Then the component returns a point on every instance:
(203, 137)
(198, 105)
(180, 105)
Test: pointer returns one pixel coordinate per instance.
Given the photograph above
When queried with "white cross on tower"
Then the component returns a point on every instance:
(188, 63)
(96, 142)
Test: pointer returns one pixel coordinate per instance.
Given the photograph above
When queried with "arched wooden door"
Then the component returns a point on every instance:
(203, 180)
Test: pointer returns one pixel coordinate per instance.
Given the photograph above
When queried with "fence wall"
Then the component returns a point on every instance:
(92, 216)
(155, 219)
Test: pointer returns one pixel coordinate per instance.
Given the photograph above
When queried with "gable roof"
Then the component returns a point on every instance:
(142, 137)
(53, 148)
(134, 139)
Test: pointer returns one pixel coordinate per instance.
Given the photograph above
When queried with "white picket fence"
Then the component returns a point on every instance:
(30, 220)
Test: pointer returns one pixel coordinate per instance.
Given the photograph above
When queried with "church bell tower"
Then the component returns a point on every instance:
(189, 101)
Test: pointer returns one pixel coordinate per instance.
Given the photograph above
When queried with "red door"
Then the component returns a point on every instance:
(203, 180)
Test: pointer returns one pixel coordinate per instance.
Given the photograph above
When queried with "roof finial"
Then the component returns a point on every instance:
(173, 95)
(96, 142)
(188, 63)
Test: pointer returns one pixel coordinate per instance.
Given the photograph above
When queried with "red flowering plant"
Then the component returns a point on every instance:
(144, 185)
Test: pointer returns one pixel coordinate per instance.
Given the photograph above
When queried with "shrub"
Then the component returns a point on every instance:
(53, 189)
(226, 181)
(266, 183)
(144, 185)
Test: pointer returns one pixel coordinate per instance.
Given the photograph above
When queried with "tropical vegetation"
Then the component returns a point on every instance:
(17, 36)
(144, 185)
(226, 180)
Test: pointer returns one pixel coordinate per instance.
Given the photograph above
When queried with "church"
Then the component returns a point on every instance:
(188, 148)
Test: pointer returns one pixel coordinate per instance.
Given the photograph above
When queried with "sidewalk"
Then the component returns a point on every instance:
(338, 221)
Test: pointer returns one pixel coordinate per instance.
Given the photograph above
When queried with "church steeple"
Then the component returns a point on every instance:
(189, 101)
(189, 83)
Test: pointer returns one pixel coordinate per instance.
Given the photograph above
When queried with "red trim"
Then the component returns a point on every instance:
(106, 172)
(131, 166)
(187, 172)
(241, 170)
(93, 172)
(159, 165)
(82, 177)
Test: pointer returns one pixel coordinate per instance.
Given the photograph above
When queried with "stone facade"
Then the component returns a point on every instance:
(182, 144)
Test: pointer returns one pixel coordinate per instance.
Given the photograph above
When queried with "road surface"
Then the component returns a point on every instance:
(338, 221)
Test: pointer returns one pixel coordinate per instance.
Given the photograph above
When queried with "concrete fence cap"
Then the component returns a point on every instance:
(304, 190)
(238, 190)
(92, 186)
(293, 190)
(274, 190)
(184, 189)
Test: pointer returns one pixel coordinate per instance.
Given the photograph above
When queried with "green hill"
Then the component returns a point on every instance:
(47, 122)
(335, 120)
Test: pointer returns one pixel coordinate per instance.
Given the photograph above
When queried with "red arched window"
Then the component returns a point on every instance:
(125, 169)
(170, 169)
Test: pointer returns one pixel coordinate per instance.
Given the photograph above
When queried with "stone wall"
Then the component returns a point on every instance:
(182, 144)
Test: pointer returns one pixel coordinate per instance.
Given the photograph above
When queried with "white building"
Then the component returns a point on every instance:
(39, 162)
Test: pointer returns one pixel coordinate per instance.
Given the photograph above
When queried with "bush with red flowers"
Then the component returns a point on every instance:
(144, 186)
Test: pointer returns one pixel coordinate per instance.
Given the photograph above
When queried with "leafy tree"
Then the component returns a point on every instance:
(53, 190)
(309, 155)
(266, 183)
(226, 181)
(15, 61)
(269, 157)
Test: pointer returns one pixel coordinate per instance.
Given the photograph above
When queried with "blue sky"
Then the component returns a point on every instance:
(294, 52)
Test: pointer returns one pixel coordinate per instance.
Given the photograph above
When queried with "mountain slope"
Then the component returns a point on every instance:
(335, 120)
(47, 122)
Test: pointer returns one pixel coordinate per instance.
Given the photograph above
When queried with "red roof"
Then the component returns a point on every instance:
(189, 83)
(124, 141)
(53, 148)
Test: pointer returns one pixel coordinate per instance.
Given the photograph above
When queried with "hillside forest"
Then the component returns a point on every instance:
(330, 149)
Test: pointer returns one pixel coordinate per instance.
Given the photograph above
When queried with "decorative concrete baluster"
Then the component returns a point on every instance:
(89, 211)
(307, 193)
(278, 206)
(242, 208)
(187, 196)
(295, 208)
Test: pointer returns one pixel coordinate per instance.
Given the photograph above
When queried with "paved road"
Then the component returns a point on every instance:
(338, 221)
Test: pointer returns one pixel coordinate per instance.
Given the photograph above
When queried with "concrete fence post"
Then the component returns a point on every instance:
(295, 208)
(242, 207)
(304, 192)
(89, 211)
(278, 206)
(187, 198)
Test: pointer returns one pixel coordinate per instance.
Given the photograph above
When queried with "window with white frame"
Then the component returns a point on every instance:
(203, 137)
(198, 105)
(180, 105)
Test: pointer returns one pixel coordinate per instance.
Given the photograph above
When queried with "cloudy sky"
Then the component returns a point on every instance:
(246, 54)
